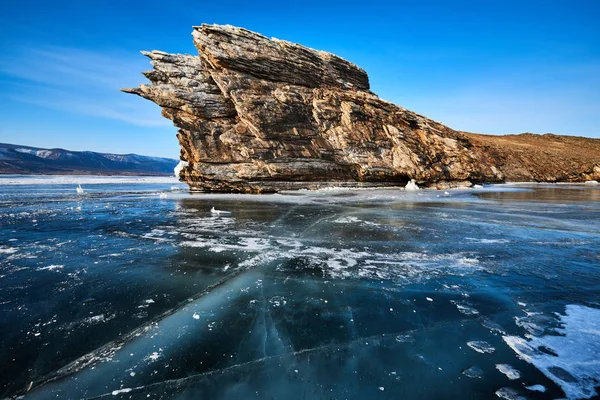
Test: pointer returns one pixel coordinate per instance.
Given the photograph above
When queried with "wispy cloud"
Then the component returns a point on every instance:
(561, 98)
(78, 81)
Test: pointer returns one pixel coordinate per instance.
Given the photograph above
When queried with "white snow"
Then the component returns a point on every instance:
(346, 220)
(180, 167)
(509, 394)
(481, 346)
(51, 268)
(536, 388)
(117, 392)
(509, 371)
(464, 308)
(8, 250)
(219, 212)
(411, 186)
(576, 366)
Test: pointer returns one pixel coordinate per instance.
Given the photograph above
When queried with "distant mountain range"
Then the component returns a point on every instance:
(16, 159)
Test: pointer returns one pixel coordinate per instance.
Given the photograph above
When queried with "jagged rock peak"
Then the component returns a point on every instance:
(273, 59)
(262, 115)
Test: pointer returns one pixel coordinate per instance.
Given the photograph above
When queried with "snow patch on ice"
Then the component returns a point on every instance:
(509, 371)
(117, 392)
(487, 241)
(465, 307)
(51, 267)
(473, 372)
(8, 250)
(347, 220)
(574, 364)
(481, 346)
(536, 388)
(509, 394)
(152, 357)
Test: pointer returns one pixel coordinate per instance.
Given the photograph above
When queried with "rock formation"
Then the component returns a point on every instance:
(262, 115)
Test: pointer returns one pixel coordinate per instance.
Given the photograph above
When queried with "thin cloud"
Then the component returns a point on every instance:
(78, 81)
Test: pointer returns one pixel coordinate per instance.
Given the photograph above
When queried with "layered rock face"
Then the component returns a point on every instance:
(262, 115)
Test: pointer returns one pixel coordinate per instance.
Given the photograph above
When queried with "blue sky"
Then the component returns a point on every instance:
(480, 66)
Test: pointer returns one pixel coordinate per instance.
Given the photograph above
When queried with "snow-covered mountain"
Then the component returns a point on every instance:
(16, 159)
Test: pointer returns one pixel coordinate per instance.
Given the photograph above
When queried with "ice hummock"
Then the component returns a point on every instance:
(411, 185)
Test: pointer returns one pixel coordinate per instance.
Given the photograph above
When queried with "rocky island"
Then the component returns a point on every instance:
(263, 115)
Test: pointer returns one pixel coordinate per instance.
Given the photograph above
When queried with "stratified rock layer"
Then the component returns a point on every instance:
(261, 115)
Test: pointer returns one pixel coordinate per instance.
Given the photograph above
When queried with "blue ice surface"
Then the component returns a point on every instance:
(136, 290)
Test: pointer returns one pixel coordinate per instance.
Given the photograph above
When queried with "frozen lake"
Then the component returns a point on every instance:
(134, 289)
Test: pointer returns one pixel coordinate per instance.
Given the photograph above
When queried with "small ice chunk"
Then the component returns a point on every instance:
(509, 371)
(219, 212)
(163, 195)
(149, 301)
(196, 316)
(381, 388)
(153, 357)
(179, 168)
(591, 182)
(404, 338)
(347, 220)
(464, 307)
(509, 394)
(536, 388)
(473, 372)
(411, 186)
(428, 299)
(481, 346)
(117, 392)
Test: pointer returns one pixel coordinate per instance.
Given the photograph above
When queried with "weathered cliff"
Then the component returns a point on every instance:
(258, 114)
